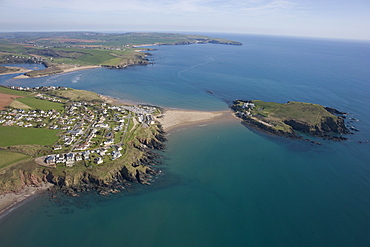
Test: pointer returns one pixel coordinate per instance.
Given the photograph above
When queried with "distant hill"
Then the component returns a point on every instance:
(63, 51)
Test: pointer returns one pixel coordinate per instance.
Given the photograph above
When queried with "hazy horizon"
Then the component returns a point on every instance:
(335, 19)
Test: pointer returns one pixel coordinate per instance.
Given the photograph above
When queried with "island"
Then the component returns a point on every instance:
(292, 118)
(62, 52)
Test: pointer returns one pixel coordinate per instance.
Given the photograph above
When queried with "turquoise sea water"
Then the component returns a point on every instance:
(223, 184)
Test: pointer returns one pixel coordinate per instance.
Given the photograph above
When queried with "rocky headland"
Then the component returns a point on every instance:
(292, 118)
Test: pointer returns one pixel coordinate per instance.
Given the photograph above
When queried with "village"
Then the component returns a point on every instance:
(93, 132)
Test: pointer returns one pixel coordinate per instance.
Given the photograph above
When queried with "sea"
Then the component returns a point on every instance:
(224, 184)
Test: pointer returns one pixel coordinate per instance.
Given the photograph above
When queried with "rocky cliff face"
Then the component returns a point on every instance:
(15, 178)
(264, 128)
(328, 128)
(108, 178)
(114, 179)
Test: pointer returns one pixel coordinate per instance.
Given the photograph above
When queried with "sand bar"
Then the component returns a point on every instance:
(66, 70)
(176, 119)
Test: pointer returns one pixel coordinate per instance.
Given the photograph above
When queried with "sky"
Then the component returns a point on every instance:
(344, 19)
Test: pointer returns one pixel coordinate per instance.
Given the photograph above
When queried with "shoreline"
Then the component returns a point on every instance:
(116, 101)
(12, 200)
(172, 120)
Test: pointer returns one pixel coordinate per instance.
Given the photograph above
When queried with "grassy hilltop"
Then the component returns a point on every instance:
(290, 118)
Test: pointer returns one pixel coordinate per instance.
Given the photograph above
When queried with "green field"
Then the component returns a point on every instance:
(41, 104)
(8, 158)
(10, 136)
(304, 117)
(13, 92)
(76, 95)
(303, 112)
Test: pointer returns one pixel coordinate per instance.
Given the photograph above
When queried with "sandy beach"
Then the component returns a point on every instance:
(66, 70)
(176, 119)
(10, 200)
(76, 68)
(171, 120)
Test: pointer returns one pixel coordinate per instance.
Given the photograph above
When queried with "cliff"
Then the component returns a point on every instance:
(292, 118)
(137, 166)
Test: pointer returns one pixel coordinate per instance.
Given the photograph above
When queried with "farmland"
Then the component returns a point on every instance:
(12, 92)
(41, 104)
(61, 51)
(76, 95)
(6, 99)
(11, 135)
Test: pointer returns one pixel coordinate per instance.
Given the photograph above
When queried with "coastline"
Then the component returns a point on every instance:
(116, 101)
(11, 200)
(175, 119)
(171, 120)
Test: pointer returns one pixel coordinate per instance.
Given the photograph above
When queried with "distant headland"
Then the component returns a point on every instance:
(62, 52)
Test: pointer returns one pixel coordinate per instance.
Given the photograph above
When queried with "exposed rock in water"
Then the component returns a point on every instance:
(335, 111)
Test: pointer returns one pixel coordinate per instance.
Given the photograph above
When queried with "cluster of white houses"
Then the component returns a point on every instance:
(143, 113)
(26, 118)
(42, 88)
(247, 106)
(88, 131)
(46, 97)
(69, 159)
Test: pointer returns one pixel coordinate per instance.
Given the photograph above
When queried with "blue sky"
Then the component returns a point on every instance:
(349, 19)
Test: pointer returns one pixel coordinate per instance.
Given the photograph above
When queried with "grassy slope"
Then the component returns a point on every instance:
(13, 92)
(30, 102)
(8, 158)
(19, 105)
(76, 95)
(276, 113)
(41, 104)
(22, 136)
(303, 112)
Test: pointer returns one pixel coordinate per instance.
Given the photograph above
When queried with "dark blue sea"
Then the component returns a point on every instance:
(223, 184)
